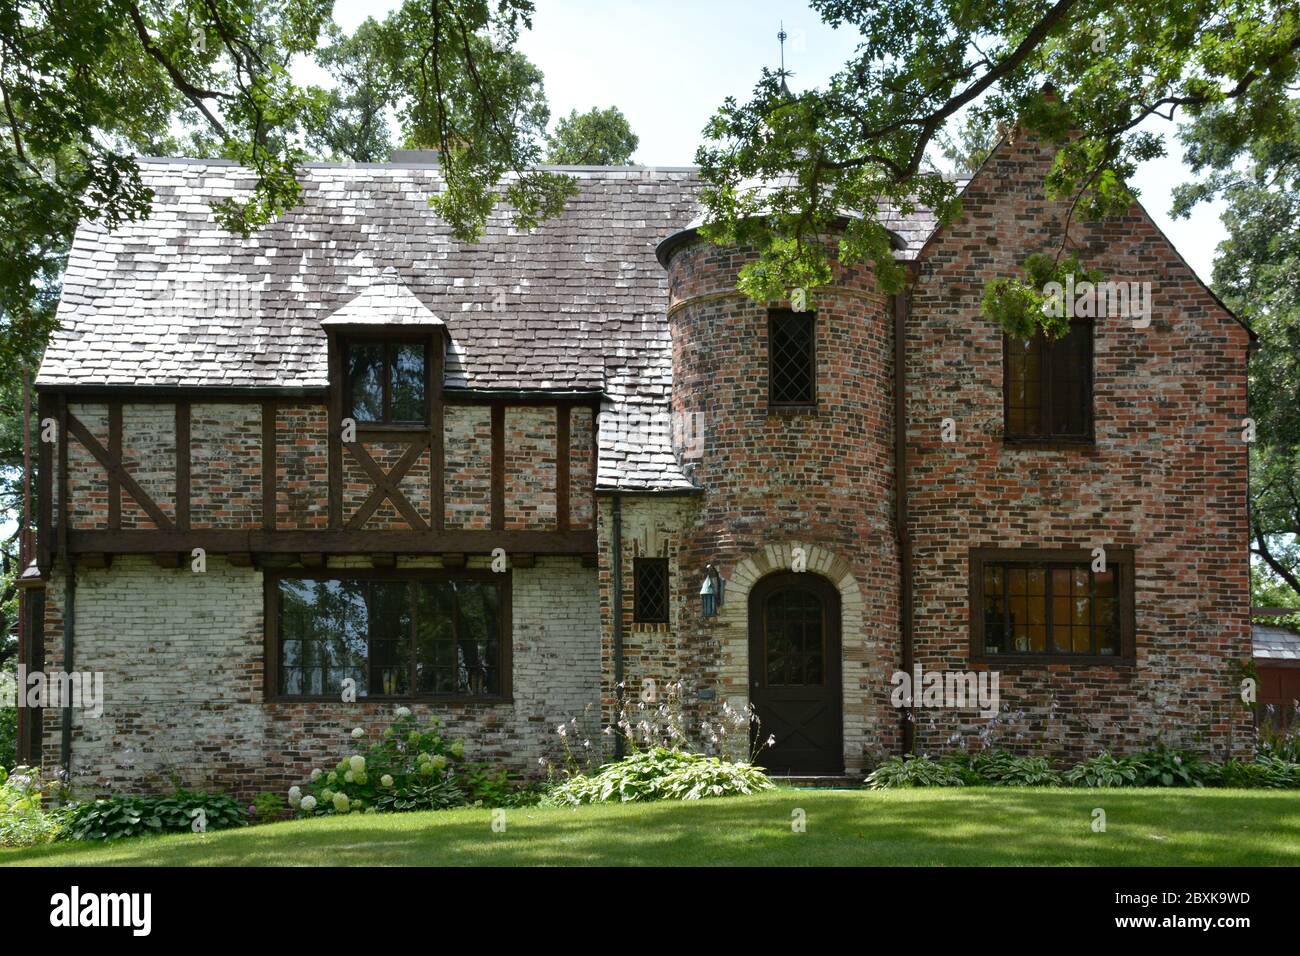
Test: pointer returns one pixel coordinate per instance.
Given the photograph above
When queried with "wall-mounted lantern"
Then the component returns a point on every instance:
(712, 591)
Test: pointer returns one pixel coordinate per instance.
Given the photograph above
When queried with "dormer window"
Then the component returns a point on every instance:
(386, 381)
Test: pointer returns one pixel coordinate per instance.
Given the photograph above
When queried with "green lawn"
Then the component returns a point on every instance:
(929, 827)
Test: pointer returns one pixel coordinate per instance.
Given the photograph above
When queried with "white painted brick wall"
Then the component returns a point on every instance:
(182, 658)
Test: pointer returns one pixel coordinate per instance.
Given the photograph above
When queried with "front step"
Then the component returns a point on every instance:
(829, 782)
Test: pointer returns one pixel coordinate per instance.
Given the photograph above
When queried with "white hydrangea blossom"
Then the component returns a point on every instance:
(308, 803)
(357, 763)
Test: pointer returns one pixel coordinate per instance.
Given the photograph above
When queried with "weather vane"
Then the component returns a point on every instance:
(783, 36)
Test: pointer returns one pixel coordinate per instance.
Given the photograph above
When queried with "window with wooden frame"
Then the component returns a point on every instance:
(791, 359)
(650, 590)
(398, 635)
(1044, 604)
(1047, 390)
(386, 380)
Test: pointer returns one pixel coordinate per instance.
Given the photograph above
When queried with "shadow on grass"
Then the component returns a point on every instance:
(931, 828)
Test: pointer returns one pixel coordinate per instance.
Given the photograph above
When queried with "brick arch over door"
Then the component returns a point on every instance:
(732, 630)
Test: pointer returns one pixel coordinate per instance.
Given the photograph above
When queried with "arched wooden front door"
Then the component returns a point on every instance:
(794, 672)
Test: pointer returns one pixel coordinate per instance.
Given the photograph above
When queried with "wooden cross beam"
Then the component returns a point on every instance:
(387, 483)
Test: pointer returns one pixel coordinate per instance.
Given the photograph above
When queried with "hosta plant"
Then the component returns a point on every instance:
(997, 768)
(912, 771)
(1103, 770)
(1264, 772)
(1165, 767)
(125, 816)
(659, 774)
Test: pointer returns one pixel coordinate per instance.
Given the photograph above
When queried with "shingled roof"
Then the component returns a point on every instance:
(577, 304)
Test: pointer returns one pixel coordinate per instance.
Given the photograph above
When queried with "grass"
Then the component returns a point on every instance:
(972, 826)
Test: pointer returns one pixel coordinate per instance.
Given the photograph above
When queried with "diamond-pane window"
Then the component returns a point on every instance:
(650, 590)
(792, 358)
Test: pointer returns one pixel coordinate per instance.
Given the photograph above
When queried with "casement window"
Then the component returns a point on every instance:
(650, 590)
(791, 359)
(1048, 386)
(1038, 604)
(432, 635)
(386, 381)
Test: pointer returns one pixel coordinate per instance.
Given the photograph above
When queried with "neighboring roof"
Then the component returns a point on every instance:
(576, 305)
(1275, 643)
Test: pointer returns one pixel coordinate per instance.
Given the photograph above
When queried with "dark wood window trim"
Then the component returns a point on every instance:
(390, 339)
(271, 594)
(1121, 559)
(647, 607)
(1051, 433)
(785, 404)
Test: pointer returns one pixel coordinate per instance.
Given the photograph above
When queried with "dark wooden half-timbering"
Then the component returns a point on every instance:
(273, 475)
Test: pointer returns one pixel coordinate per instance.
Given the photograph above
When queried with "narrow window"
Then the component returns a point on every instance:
(650, 590)
(792, 359)
(1047, 604)
(1048, 385)
(387, 382)
(437, 637)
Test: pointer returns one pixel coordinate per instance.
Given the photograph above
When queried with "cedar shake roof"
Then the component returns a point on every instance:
(577, 304)
(1274, 643)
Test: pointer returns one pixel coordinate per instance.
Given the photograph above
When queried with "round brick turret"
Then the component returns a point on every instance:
(819, 479)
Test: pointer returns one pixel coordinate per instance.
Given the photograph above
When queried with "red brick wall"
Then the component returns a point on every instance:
(225, 465)
(302, 467)
(530, 474)
(1166, 476)
(467, 466)
(821, 478)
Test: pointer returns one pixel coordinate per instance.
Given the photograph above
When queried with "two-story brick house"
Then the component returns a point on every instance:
(286, 463)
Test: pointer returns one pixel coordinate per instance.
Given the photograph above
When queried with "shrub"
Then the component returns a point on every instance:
(411, 767)
(182, 812)
(8, 736)
(24, 819)
(1103, 770)
(267, 807)
(659, 774)
(911, 771)
(1165, 767)
(489, 787)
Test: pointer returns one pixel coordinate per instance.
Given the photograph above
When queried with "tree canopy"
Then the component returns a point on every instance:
(864, 135)
(1256, 171)
(595, 138)
(86, 85)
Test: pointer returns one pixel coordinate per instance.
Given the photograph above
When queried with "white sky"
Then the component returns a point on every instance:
(668, 64)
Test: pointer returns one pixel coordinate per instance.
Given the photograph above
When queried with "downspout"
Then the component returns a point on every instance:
(69, 588)
(900, 304)
(616, 582)
(69, 644)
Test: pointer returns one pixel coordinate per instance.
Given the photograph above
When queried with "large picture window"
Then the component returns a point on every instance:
(386, 382)
(443, 636)
(1042, 604)
(1048, 386)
